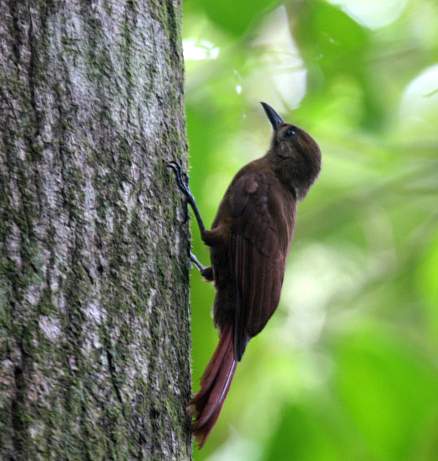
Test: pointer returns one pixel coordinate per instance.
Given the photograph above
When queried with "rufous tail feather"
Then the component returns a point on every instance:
(215, 383)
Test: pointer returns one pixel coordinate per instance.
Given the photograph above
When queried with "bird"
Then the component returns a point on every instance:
(249, 241)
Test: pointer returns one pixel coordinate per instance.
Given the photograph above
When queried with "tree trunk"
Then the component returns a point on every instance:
(94, 315)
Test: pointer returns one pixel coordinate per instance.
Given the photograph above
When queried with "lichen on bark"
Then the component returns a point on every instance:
(94, 314)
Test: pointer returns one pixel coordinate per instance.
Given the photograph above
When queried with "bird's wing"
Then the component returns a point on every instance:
(261, 230)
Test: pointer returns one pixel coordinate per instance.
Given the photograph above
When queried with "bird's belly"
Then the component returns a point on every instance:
(225, 299)
(221, 267)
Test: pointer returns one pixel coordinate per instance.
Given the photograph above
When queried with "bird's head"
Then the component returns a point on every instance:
(295, 156)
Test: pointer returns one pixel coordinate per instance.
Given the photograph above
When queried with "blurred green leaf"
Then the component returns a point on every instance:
(330, 39)
(231, 16)
(306, 433)
(427, 281)
(387, 390)
(335, 45)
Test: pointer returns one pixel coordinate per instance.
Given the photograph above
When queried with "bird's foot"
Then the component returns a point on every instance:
(183, 184)
(206, 272)
(181, 179)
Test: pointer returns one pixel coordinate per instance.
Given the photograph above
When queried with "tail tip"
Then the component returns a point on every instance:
(200, 439)
(198, 432)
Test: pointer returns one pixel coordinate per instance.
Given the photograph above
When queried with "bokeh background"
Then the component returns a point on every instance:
(347, 369)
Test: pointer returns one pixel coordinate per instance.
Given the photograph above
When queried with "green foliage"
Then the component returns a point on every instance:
(234, 17)
(347, 368)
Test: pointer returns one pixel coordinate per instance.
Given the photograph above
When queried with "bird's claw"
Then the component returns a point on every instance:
(176, 167)
(183, 184)
(181, 178)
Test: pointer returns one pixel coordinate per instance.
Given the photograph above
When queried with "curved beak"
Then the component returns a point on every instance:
(274, 118)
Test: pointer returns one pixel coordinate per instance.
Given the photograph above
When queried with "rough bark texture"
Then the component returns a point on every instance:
(94, 316)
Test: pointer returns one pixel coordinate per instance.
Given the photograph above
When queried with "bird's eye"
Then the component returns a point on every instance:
(290, 132)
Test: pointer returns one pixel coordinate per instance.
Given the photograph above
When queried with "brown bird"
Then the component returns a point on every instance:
(249, 241)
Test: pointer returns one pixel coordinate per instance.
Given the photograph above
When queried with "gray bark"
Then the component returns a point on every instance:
(94, 315)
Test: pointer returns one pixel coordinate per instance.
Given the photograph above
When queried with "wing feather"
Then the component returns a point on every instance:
(260, 236)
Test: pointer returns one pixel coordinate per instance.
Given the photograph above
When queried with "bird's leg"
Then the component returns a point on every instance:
(206, 272)
(197, 263)
(183, 185)
(182, 181)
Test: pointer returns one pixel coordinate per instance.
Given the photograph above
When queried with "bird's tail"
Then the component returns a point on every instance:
(215, 383)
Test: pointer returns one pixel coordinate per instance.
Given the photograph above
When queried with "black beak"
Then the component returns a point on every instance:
(274, 118)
